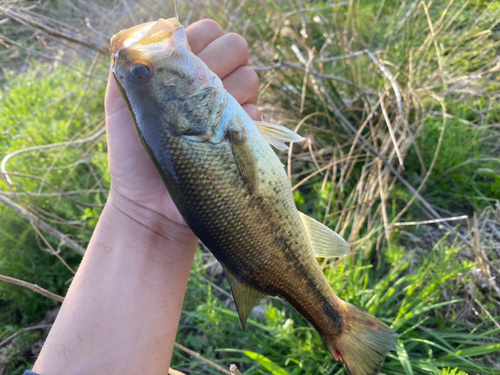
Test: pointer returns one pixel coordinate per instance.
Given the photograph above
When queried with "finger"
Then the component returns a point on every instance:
(225, 54)
(243, 85)
(113, 101)
(252, 111)
(201, 33)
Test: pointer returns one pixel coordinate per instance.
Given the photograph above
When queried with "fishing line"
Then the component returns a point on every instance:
(175, 7)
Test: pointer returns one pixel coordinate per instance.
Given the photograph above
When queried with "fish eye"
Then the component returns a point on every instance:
(139, 71)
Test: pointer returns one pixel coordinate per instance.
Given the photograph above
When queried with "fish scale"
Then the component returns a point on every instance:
(233, 192)
(214, 192)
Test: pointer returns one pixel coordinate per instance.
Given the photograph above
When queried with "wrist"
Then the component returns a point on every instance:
(126, 298)
(139, 221)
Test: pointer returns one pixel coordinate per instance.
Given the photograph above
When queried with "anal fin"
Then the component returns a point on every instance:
(245, 297)
(325, 242)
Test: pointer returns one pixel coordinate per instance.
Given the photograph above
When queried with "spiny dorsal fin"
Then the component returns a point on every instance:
(247, 166)
(277, 135)
(325, 242)
(245, 297)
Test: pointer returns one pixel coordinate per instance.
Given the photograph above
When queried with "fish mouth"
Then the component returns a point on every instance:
(158, 37)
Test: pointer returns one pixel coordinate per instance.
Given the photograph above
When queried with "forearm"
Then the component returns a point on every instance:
(121, 312)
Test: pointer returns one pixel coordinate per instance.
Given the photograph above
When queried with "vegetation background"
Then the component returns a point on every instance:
(399, 100)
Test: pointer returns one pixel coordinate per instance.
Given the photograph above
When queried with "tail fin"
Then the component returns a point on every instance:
(363, 343)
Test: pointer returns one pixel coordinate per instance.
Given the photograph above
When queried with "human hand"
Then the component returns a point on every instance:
(134, 180)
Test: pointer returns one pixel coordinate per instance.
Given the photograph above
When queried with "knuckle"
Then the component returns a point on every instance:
(252, 111)
(212, 27)
(193, 42)
(251, 80)
(202, 33)
(239, 43)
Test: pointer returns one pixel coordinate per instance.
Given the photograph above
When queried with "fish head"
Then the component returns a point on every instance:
(162, 81)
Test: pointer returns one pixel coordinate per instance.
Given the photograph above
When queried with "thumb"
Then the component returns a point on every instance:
(113, 102)
(125, 152)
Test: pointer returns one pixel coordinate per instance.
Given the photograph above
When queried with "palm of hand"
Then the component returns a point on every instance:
(133, 176)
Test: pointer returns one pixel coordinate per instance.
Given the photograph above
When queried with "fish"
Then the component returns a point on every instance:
(233, 192)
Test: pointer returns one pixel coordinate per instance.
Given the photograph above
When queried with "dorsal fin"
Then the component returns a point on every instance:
(245, 297)
(325, 242)
(277, 135)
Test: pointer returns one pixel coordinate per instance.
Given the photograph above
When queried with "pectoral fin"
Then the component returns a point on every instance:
(325, 242)
(245, 160)
(245, 297)
(277, 135)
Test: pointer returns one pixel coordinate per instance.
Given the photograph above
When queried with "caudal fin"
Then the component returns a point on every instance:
(363, 343)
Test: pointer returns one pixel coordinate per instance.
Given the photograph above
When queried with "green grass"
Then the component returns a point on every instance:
(408, 298)
(424, 292)
(469, 172)
(35, 110)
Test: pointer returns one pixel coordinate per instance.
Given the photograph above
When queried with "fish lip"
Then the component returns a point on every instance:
(155, 37)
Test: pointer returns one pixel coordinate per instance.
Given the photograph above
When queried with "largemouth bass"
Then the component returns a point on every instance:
(233, 192)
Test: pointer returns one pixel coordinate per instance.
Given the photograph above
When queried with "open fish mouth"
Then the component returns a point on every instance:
(151, 38)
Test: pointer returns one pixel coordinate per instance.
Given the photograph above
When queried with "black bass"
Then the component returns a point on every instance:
(233, 192)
